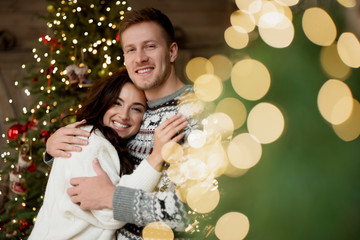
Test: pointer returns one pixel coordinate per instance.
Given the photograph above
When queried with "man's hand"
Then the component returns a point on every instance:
(92, 193)
(64, 138)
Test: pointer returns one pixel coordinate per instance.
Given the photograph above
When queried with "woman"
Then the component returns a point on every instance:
(113, 112)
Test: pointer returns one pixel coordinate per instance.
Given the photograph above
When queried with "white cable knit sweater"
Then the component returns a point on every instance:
(59, 218)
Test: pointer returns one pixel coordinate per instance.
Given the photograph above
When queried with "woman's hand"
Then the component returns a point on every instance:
(165, 132)
(64, 140)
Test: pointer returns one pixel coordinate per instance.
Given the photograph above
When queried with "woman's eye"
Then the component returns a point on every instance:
(118, 103)
(137, 110)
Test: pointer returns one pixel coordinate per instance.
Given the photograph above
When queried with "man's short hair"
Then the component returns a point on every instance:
(149, 15)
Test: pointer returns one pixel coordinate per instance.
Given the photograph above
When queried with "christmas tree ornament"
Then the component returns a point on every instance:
(78, 74)
(14, 131)
(81, 72)
(24, 160)
(17, 183)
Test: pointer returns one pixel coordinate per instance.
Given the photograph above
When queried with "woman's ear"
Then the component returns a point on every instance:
(173, 52)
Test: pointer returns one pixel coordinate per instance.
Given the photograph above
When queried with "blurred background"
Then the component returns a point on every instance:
(306, 184)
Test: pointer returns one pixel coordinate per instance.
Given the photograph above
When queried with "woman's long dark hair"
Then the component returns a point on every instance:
(101, 97)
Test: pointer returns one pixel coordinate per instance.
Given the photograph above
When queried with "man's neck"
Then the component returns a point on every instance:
(171, 85)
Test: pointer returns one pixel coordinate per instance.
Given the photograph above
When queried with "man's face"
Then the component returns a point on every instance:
(147, 55)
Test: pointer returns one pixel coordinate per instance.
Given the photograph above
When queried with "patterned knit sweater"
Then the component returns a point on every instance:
(138, 207)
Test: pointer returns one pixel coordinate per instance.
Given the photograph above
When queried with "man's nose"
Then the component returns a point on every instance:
(141, 56)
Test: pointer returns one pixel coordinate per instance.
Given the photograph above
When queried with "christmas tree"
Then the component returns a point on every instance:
(80, 47)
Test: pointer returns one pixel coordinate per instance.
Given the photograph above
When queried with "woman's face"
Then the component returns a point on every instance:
(126, 115)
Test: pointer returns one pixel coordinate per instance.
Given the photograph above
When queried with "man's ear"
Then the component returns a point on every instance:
(173, 52)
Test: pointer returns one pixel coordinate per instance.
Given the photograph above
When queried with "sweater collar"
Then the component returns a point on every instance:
(160, 101)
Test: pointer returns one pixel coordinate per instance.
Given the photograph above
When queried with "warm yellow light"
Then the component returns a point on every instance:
(244, 151)
(250, 79)
(196, 138)
(235, 109)
(332, 63)
(349, 49)
(287, 2)
(347, 3)
(242, 22)
(231, 226)
(319, 27)
(198, 66)
(350, 129)
(157, 230)
(280, 35)
(208, 87)
(172, 152)
(222, 66)
(265, 122)
(335, 101)
(218, 123)
(202, 198)
(249, 6)
(235, 39)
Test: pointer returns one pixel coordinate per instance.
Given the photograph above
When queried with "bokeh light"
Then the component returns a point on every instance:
(349, 49)
(350, 129)
(203, 198)
(279, 36)
(347, 3)
(235, 109)
(265, 122)
(218, 123)
(157, 230)
(171, 152)
(250, 79)
(195, 169)
(198, 66)
(196, 139)
(335, 101)
(249, 6)
(287, 2)
(236, 39)
(318, 26)
(222, 66)
(208, 87)
(242, 22)
(244, 151)
(232, 226)
(332, 64)
(272, 14)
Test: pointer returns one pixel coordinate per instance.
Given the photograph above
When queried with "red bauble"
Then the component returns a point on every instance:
(32, 167)
(14, 131)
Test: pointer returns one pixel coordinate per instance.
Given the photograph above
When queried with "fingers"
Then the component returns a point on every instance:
(76, 124)
(97, 167)
(178, 137)
(73, 132)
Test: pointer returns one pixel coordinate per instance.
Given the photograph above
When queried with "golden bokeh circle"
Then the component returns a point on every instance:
(244, 151)
(198, 66)
(235, 109)
(249, 6)
(220, 123)
(335, 101)
(318, 26)
(232, 226)
(157, 230)
(242, 22)
(236, 39)
(348, 47)
(347, 3)
(202, 198)
(196, 139)
(332, 63)
(172, 152)
(208, 87)
(265, 122)
(287, 2)
(350, 129)
(250, 79)
(279, 36)
(222, 66)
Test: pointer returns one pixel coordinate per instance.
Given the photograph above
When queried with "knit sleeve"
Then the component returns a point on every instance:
(141, 208)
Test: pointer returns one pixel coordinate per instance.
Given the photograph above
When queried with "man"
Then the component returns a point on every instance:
(150, 51)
